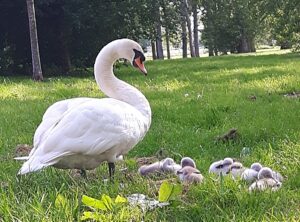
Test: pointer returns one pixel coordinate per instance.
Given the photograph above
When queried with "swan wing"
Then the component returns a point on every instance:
(91, 129)
(53, 115)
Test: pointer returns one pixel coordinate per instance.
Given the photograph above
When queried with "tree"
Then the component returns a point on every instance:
(186, 14)
(183, 30)
(195, 20)
(170, 21)
(285, 23)
(36, 63)
(159, 47)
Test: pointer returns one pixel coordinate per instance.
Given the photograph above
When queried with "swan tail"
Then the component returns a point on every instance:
(31, 166)
(22, 158)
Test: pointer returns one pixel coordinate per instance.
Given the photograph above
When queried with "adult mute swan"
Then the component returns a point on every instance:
(81, 133)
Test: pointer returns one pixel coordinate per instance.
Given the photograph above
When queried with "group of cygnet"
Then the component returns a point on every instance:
(186, 171)
(262, 178)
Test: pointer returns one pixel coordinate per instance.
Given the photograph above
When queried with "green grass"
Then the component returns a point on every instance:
(193, 101)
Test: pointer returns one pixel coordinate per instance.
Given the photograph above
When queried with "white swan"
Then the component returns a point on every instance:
(81, 133)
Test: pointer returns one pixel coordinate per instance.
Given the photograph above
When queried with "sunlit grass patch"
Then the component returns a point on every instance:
(193, 102)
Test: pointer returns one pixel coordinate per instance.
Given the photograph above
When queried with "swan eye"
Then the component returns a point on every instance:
(139, 54)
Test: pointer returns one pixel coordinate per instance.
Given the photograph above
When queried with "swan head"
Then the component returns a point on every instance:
(131, 51)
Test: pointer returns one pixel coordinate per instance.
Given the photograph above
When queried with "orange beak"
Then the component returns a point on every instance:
(140, 65)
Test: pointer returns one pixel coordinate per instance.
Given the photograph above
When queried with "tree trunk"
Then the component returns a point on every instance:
(251, 43)
(210, 51)
(183, 31)
(189, 25)
(168, 44)
(153, 50)
(35, 54)
(64, 57)
(243, 45)
(216, 52)
(184, 39)
(159, 47)
(196, 36)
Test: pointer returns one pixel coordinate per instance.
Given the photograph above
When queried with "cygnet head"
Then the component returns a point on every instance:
(236, 166)
(227, 162)
(127, 49)
(236, 169)
(190, 174)
(187, 161)
(216, 167)
(168, 161)
(265, 172)
(169, 165)
(256, 166)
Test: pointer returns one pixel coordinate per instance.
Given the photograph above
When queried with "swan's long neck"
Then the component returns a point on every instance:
(115, 88)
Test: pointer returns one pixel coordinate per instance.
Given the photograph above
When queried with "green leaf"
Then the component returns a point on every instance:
(168, 191)
(177, 190)
(94, 203)
(60, 201)
(87, 215)
(165, 191)
(107, 201)
(120, 199)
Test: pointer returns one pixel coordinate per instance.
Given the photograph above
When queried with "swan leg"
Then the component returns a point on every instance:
(111, 169)
(83, 173)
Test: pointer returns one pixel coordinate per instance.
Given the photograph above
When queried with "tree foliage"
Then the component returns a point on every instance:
(72, 32)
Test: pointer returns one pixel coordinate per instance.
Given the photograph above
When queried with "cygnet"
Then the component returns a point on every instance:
(149, 169)
(221, 166)
(251, 174)
(168, 165)
(190, 174)
(265, 181)
(236, 170)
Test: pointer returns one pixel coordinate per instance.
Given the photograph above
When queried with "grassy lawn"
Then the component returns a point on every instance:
(193, 101)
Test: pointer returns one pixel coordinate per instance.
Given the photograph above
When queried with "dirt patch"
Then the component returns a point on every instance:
(146, 160)
(22, 150)
(232, 134)
(252, 97)
(292, 95)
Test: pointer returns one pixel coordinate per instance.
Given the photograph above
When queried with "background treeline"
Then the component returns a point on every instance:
(71, 32)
